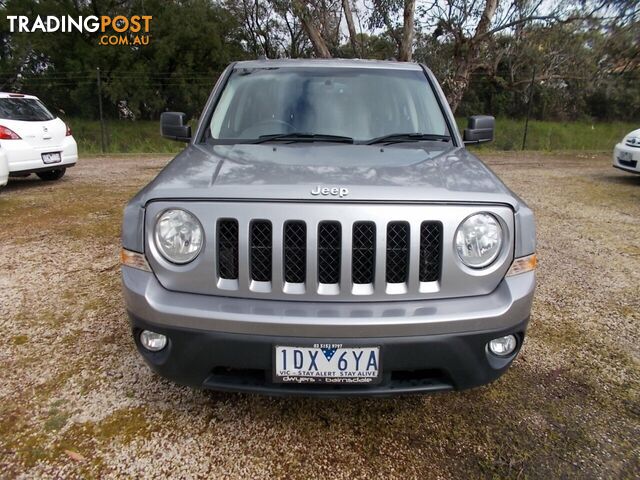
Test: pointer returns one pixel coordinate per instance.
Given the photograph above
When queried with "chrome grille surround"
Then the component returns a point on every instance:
(301, 223)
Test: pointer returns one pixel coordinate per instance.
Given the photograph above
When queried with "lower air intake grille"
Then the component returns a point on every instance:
(261, 250)
(228, 249)
(329, 240)
(430, 251)
(295, 250)
(397, 252)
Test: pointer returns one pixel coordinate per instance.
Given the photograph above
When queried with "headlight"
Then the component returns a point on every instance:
(632, 141)
(179, 236)
(478, 240)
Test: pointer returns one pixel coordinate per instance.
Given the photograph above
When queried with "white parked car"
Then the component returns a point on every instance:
(33, 139)
(626, 155)
(4, 169)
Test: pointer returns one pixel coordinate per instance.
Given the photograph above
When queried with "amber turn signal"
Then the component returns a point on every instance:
(134, 260)
(523, 264)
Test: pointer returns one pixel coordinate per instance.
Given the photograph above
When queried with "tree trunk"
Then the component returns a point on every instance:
(457, 86)
(485, 20)
(467, 62)
(406, 47)
(351, 26)
(319, 45)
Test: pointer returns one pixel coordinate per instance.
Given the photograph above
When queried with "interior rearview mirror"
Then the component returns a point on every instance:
(479, 129)
(173, 125)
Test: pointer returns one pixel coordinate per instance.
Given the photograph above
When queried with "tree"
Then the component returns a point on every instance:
(385, 14)
(406, 46)
(353, 36)
(472, 27)
(314, 33)
(175, 71)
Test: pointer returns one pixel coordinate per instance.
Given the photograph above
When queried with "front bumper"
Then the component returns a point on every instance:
(626, 158)
(227, 343)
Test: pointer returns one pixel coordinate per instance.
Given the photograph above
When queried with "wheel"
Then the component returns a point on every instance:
(51, 175)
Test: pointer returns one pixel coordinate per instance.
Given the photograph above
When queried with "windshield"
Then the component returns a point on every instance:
(360, 103)
(25, 109)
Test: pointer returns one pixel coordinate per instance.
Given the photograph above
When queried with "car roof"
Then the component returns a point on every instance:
(15, 95)
(328, 63)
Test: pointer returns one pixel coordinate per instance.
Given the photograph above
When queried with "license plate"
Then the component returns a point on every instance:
(326, 363)
(51, 157)
(624, 156)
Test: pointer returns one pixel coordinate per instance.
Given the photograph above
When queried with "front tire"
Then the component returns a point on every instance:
(51, 175)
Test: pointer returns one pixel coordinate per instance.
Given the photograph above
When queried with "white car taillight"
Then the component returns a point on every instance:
(8, 134)
(68, 134)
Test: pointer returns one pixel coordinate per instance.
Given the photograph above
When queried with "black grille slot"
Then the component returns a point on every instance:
(228, 249)
(430, 251)
(295, 252)
(363, 252)
(329, 241)
(260, 247)
(397, 252)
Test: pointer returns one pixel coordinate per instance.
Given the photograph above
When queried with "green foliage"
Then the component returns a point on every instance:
(577, 75)
(191, 42)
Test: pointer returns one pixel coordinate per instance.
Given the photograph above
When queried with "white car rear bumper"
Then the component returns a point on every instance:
(4, 169)
(626, 158)
(25, 158)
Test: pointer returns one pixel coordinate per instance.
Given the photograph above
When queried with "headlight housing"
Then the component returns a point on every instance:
(478, 240)
(179, 236)
(632, 141)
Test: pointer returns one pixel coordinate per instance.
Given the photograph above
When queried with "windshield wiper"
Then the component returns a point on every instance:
(303, 137)
(408, 137)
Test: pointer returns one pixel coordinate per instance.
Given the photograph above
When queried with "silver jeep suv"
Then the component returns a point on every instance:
(325, 232)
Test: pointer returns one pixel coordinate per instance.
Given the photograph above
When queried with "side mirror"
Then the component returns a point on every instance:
(173, 126)
(479, 129)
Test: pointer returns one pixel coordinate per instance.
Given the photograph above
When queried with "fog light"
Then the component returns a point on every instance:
(152, 341)
(503, 346)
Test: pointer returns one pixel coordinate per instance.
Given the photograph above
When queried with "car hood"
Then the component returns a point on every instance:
(411, 172)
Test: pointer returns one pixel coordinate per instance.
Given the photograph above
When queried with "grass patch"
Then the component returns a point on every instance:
(56, 420)
(143, 136)
(122, 136)
(20, 339)
(548, 136)
(80, 213)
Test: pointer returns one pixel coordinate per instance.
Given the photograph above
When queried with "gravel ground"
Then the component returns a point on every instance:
(77, 401)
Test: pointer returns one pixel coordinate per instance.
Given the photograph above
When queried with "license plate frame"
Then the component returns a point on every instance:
(50, 158)
(328, 372)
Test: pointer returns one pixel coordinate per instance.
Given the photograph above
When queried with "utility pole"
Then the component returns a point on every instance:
(526, 123)
(102, 137)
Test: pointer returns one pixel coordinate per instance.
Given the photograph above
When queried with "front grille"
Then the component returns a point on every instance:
(295, 250)
(430, 251)
(228, 249)
(363, 258)
(261, 250)
(329, 248)
(329, 241)
(397, 252)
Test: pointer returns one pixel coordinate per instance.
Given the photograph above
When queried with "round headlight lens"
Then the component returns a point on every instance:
(478, 240)
(179, 236)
